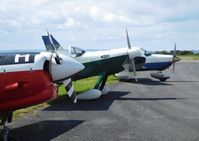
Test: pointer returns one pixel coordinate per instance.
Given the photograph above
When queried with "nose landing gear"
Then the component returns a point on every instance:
(160, 75)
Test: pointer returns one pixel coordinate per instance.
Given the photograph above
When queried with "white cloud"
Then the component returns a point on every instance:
(69, 23)
(158, 21)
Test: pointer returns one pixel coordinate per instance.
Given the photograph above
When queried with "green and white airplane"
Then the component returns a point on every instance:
(98, 63)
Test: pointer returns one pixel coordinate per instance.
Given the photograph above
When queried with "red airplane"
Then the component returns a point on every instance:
(29, 78)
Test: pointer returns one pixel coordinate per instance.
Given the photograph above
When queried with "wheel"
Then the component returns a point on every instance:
(163, 79)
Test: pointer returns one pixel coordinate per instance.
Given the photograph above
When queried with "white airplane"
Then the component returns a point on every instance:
(98, 63)
(154, 62)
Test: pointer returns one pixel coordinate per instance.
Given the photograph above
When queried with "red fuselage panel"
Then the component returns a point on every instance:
(25, 88)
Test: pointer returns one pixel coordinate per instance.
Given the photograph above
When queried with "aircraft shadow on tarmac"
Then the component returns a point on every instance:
(103, 103)
(146, 81)
(44, 130)
(184, 81)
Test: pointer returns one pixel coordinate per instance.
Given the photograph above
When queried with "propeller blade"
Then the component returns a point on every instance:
(128, 41)
(70, 89)
(174, 52)
(174, 67)
(132, 61)
(132, 68)
(174, 56)
(57, 58)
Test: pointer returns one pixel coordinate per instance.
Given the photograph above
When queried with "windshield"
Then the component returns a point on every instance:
(75, 51)
(145, 52)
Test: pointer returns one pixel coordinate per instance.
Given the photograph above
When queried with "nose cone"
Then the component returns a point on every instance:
(67, 68)
(176, 59)
(134, 52)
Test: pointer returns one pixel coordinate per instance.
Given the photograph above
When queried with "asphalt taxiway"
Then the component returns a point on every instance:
(147, 110)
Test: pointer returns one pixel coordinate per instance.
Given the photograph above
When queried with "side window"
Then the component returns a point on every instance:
(145, 52)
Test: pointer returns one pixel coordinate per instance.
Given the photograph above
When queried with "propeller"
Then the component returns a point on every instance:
(175, 58)
(66, 82)
(128, 41)
(132, 61)
(70, 89)
(63, 72)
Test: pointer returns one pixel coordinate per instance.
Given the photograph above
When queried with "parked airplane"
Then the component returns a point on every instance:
(154, 62)
(98, 63)
(29, 78)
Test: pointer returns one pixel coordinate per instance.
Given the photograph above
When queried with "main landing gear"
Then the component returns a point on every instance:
(6, 117)
(99, 89)
(100, 84)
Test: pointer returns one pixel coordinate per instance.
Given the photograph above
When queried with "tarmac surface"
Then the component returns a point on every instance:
(147, 110)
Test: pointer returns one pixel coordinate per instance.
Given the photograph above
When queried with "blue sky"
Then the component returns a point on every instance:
(94, 24)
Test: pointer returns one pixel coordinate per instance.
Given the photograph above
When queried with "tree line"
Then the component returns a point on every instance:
(178, 52)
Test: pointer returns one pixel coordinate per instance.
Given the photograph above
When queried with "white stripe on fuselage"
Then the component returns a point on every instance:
(37, 65)
(91, 56)
(17, 67)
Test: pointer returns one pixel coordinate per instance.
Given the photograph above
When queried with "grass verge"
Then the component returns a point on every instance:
(80, 86)
(189, 57)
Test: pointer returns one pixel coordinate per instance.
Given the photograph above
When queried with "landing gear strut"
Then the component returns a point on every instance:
(101, 82)
(99, 89)
(5, 132)
(7, 117)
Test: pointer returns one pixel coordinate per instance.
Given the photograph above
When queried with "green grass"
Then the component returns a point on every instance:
(189, 57)
(80, 86)
(86, 84)
(33, 109)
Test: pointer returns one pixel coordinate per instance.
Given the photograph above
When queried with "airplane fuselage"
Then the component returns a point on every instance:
(28, 79)
(24, 80)
(157, 62)
(100, 62)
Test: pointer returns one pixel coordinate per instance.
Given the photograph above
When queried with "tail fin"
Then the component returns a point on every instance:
(49, 45)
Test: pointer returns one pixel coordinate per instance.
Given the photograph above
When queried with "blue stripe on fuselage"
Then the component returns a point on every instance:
(156, 66)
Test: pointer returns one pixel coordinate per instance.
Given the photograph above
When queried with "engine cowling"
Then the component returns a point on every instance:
(134, 52)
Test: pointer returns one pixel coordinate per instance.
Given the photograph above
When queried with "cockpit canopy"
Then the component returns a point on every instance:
(145, 52)
(75, 51)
